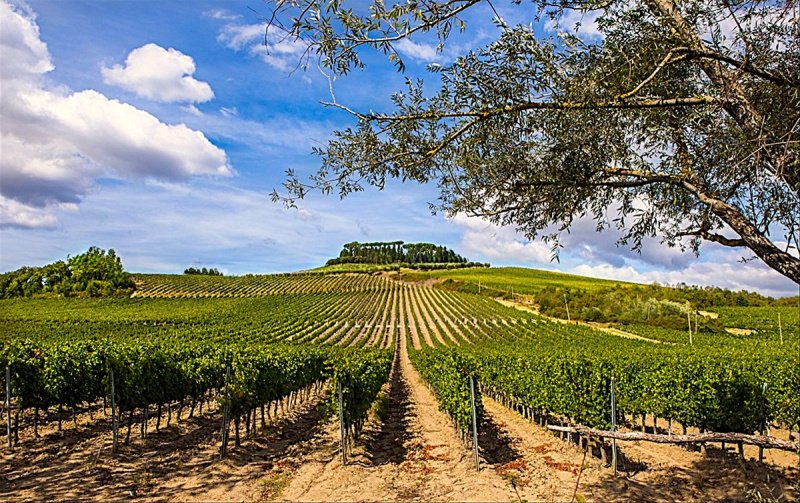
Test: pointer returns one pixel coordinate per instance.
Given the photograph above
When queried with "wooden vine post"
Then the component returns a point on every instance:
(780, 328)
(567, 304)
(734, 438)
(689, 319)
(764, 427)
(474, 422)
(613, 428)
(114, 426)
(342, 429)
(224, 433)
(8, 407)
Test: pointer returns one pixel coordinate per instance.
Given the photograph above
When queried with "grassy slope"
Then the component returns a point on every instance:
(520, 279)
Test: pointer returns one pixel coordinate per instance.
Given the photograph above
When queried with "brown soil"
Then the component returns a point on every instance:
(414, 455)
(178, 463)
(648, 472)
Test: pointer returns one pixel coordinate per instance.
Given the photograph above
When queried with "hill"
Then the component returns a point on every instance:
(569, 296)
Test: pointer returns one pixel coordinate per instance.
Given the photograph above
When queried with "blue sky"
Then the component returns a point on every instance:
(159, 129)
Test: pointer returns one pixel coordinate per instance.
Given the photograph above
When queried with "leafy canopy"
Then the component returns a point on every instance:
(95, 273)
(680, 120)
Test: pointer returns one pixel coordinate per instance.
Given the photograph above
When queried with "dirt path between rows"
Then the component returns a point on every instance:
(414, 455)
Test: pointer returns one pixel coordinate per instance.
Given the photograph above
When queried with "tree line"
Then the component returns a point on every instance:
(204, 271)
(94, 273)
(393, 252)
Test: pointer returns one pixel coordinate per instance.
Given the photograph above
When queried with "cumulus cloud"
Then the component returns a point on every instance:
(273, 46)
(499, 243)
(725, 271)
(154, 227)
(16, 214)
(56, 143)
(159, 74)
(221, 14)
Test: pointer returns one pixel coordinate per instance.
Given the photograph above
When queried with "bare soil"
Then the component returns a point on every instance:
(178, 463)
(414, 455)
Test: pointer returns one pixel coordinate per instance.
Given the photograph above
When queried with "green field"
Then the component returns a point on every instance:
(520, 280)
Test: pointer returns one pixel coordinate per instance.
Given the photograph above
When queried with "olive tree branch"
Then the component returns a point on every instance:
(691, 101)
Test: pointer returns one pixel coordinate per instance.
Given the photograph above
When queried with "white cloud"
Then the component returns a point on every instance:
(165, 227)
(581, 23)
(229, 112)
(421, 52)
(589, 253)
(499, 243)
(159, 74)
(23, 50)
(274, 46)
(725, 271)
(192, 110)
(56, 143)
(221, 14)
(16, 214)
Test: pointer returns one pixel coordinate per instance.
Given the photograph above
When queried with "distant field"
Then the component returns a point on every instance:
(760, 317)
(361, 268)
(521, 280)
(188, 285)
(370, 268)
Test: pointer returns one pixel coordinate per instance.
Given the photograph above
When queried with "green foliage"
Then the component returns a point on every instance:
(600, 300)
(251, 285)
(669, 104)
(95, 273)
(360, 374)
(396, 252)
(447, 371)
(61, 351)
(762, 318)
(565, 370)
(260, 374)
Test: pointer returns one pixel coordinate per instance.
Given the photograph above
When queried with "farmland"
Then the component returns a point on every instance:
(521, 280)
(260, 361)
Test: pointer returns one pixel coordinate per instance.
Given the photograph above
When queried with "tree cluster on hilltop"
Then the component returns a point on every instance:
(204, 271)
(95, 273)
(396, 252)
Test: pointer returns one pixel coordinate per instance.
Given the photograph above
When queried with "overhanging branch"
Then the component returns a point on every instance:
(638, 103)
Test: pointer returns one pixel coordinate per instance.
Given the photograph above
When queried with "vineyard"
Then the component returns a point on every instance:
(254, 350)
